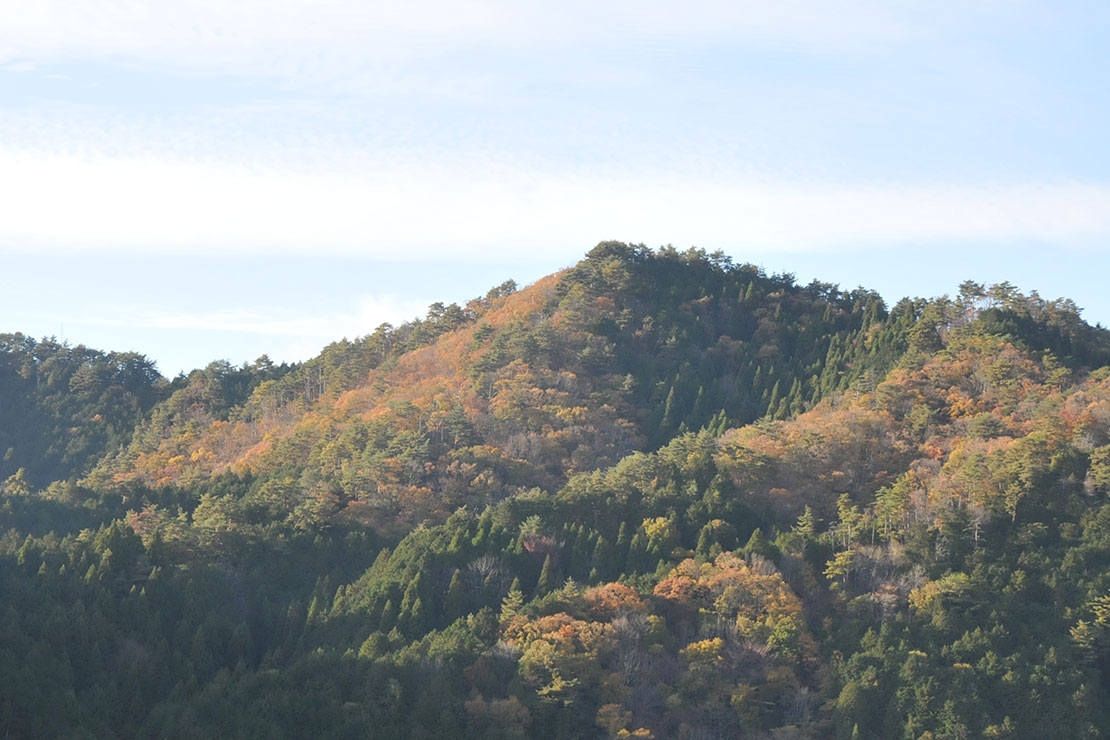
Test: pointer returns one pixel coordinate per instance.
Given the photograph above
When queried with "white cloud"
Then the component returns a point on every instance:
(68, 203)
(362, 317)
(314, 38)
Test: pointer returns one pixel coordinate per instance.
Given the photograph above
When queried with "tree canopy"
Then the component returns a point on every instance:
(658, 494)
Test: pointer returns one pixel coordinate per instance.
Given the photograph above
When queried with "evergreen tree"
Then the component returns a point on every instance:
(546, 581)
(389, 617)
(455, 604)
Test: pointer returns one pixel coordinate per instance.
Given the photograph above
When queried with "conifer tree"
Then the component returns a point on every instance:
(546, 580)
(807, 523)
(389, 617)
(415, 622)
(454, 604)
(485, 521)
(512, 602)
(313, 610)
(599, 558)
(637, 553)
(456, 547)
(668, 414)
(705, 541)
(623, 539)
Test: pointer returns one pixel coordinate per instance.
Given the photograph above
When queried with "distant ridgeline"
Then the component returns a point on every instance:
(657, 494)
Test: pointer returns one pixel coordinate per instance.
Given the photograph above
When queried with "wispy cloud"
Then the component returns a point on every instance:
(445, 131)
(362, 317)
(314, 38)
(67, 203)
(430, 182)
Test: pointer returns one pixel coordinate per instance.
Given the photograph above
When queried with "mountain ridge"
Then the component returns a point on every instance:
(654, 495)
(534, 375)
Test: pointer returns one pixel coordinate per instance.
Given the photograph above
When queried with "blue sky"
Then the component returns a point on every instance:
(203, 180)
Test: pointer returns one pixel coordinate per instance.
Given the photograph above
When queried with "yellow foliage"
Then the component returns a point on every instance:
(952, 584)
(613, 718)
(659, 529)
(200, 454)
(703, 652)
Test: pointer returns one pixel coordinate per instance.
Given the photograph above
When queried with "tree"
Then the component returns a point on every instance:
(546, 581)
(389, 617)
(455, 602)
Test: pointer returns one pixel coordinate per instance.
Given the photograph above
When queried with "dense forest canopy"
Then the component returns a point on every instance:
(658, 494)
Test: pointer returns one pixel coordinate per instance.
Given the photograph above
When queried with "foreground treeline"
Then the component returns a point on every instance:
(656, 495)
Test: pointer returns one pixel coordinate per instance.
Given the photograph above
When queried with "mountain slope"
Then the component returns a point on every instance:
(64, 408)
(619, 353)
(655, 495)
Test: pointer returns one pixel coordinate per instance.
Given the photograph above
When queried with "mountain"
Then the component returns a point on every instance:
(64, 407)
(657, 494)
(522, 389)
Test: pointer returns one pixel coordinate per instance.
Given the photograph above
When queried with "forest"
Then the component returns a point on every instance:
(658, 494)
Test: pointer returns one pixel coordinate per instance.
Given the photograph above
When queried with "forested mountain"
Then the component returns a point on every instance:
(64, 407)
(657, 494)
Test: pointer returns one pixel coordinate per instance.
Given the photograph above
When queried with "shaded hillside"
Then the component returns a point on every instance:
(63, 408)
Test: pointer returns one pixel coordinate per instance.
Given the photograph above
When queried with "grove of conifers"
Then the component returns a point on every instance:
(655, 495)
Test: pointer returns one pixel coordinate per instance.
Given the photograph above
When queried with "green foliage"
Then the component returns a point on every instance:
(65, 407)
(661, 495)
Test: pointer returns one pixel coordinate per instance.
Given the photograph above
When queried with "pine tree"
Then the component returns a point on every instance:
(485, 521)
(705, 541)
(489, 590)
(698, 412)
(27, 556)
(455, 549)
(795, 398)
(773, 399)
(455, 603)
(389, 617)
(807, 524)
(600, 557)
(668, 414)
(637, 553)
(415, 625)
(620, 557)
(547, 578)
(758, 544)
(512, 602)
(718, 424)
(313, 610)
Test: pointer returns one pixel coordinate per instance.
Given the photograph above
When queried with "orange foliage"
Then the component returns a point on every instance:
(611, 600)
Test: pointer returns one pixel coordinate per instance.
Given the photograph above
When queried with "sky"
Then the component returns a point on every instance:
(204, 180)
